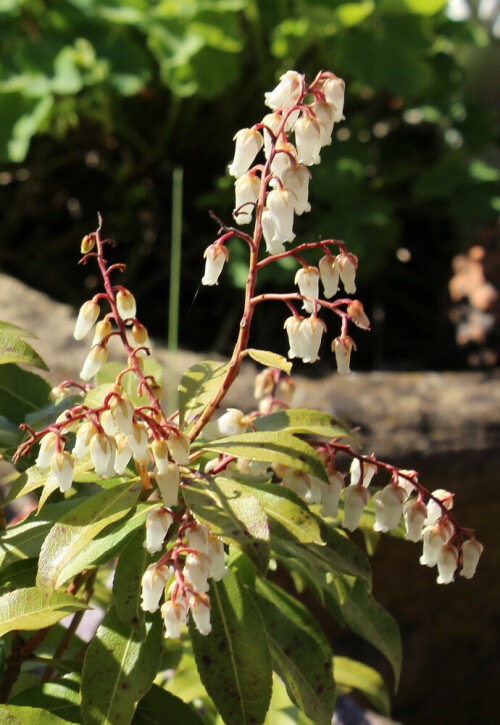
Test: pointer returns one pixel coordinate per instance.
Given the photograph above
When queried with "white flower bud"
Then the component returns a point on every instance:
(433, 538)
(447, 562)
(388, 507)
(248, 144)
(94, 362)
(296, 481)
(196, 570)
(296, 179)
(140, 336)
(369, 470)
(125, 304)
(48, 447)
(178, 446)
(169, 483)
(138, 441)
(308, 140)
(314, 493)
(284, 157)
(325, 113)
(158, 522)
(88, 314)
(218, 569)
(415, 513)
(174, 614)
(434, 510)
(330, 275)
(197, 538)
(357, 314)
(272, 121)
(153, 584)
(334, 90)
(232, 423)
(83, 437)
(123, 454)
(200, 612)
(286, 93)
(123, 414)
(102, 330)
(215, 258)
(295, 338)
(61, 467)
(280, 203)
(273, 245)
(102, 453)
(331, 495)
(247, 189)
(342, 347)
(471, 551)
(355, 500)
(307, 279)
(348, 264)
(160, 454)
(311, 331)
(108, 423)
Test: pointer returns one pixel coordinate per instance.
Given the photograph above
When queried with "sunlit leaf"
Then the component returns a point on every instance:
(303, 420)
(17, 715)
(61, 698)
(153, 706)
(127, 583)
(33, 608)
(197, 387)
(351, 674)
(271, 360)
(15, 329)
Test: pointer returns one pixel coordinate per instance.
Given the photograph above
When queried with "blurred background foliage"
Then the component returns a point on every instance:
(100, 100)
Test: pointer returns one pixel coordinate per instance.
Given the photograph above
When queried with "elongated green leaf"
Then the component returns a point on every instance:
(15, 329)
(351, 674)
(234, 514)
(10, 435)
(289, 517)
(77, 528)
(152, 708)
(197, 387)
(367, 618)
(34, 608)
(14, 349)
(119, 669)
(127, 583)
(61, 698)
(45, 416)
(34, 478)
(271, 360)
(21, 392)
(16, 715)
(234, 660)
(301, 655)
(19, 574)
(303, 420)
(272, 446)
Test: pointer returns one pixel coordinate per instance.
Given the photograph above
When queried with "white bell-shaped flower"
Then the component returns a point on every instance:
(355, 500)
(218, 569)
(308, 140)
(296, 179)
(196, 571)
(273, 244)
(331, 495)
(280, 203)
(296, 481)
(447, 562)
(108, 423)
(83, 437)
(314, 493)
(249, 141)
(102, 453)
(123, 413)
(434, 537)
(102, 330)
(325, 113)
(168, 484)
(215, 258)
(415, 513)
(284, 157)
(342, 346)
(307, 279)
(178, 447)
(153, 584)
(200, 612)
(160, 455)
(471, 552)
(295, 338)
(348, 264)
(123, 454)
(138, 441)
(125, 304)
(61, 468)
(434, 510)
(368, 469)
(334, 90)
(232, 422)
(174, 614)
(311, 330)
(48, 447)
(94, 361)
(158, 522)
(286, 93)
(140, 336)
(197, 538)
(330, 275)
(272, 121)
(389, 504)
(87, 315)
(247, 189)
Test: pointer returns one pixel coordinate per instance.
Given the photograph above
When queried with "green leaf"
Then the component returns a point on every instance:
(302, 420)
(33, 608)
(301, 655)
(198, 386)
(109, 372)
(10, 434)
(152, 708)
(232, 513)
(350, 14)
(21, 392)
(289, 517)
(19, 574)
(367, 618)
(127, 583)
(425, 7)
(79, 527)
(271, 447)
(342, 555)
(351, 674)
(234, 660)
(14, 349)
(16, 715)
(61, 698)
(16, 329)
(271, 360)
(45, 416)
(119, 669)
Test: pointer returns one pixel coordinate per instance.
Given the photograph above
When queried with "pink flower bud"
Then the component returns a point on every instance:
(88, 314)
(356, 313)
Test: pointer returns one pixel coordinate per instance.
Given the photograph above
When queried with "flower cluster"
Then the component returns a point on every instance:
(276, 189)
(196, 557)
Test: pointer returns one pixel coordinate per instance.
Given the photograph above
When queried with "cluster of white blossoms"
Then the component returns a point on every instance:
(187, 584)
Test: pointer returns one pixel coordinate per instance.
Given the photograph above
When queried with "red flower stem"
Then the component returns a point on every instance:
(302, 247)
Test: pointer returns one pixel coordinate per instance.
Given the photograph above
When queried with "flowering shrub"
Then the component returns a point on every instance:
(200, 513)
